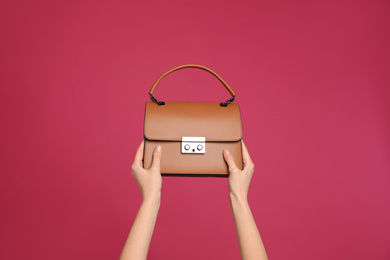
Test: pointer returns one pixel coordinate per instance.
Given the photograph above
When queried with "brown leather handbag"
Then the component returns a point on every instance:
(193, 135)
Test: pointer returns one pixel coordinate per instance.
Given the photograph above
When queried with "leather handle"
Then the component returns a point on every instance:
(192, 66)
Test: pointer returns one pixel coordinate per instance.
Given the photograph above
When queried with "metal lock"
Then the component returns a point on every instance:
(193, 144)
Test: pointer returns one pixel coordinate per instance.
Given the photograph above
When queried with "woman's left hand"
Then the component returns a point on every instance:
(149, 180)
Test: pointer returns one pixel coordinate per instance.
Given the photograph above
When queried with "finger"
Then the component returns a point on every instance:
(156, 158)
(245, 154)
(229, 160)
(139, 155)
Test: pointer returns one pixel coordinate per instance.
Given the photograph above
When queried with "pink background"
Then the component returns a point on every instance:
(312, 80)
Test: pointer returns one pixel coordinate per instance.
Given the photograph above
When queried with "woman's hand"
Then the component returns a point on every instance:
(149, 180)
(249, 240)
(239, 180)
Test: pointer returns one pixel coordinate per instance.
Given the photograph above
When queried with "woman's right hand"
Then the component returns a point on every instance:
(239, 181)
(249, 239)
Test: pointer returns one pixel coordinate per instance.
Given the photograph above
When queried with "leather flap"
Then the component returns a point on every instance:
(177, 119)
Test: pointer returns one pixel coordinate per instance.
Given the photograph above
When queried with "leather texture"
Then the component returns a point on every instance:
(165, 125)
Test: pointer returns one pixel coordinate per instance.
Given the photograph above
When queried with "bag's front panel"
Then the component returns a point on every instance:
(209, 163)
(216, 127)
(177, 119)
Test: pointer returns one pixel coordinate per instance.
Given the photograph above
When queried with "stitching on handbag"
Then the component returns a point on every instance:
(207, 140)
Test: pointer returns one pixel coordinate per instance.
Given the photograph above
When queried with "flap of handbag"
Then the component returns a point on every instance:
(175, 120)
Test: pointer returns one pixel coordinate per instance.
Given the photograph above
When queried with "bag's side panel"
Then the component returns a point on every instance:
(211, 163)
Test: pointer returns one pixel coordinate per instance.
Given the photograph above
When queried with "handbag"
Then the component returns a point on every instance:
(193, 135)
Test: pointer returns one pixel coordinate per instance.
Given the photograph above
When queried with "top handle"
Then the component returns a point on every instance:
(161, 103)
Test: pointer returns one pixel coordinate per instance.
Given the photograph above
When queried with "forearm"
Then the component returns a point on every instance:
(138, 241)
(249, 240)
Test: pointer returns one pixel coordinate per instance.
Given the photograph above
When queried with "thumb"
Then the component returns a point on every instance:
(229, 160)
(156, 158)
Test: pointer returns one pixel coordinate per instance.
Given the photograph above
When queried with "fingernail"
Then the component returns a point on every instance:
(226, 151)
(158, 149)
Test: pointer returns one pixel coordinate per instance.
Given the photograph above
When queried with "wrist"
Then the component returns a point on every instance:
(153, 200)
(239, 202)
(238, 197)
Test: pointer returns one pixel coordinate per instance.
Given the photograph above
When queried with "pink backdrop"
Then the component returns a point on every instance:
(312, 80)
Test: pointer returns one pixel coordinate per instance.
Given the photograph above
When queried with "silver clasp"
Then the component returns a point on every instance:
(193, 144)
